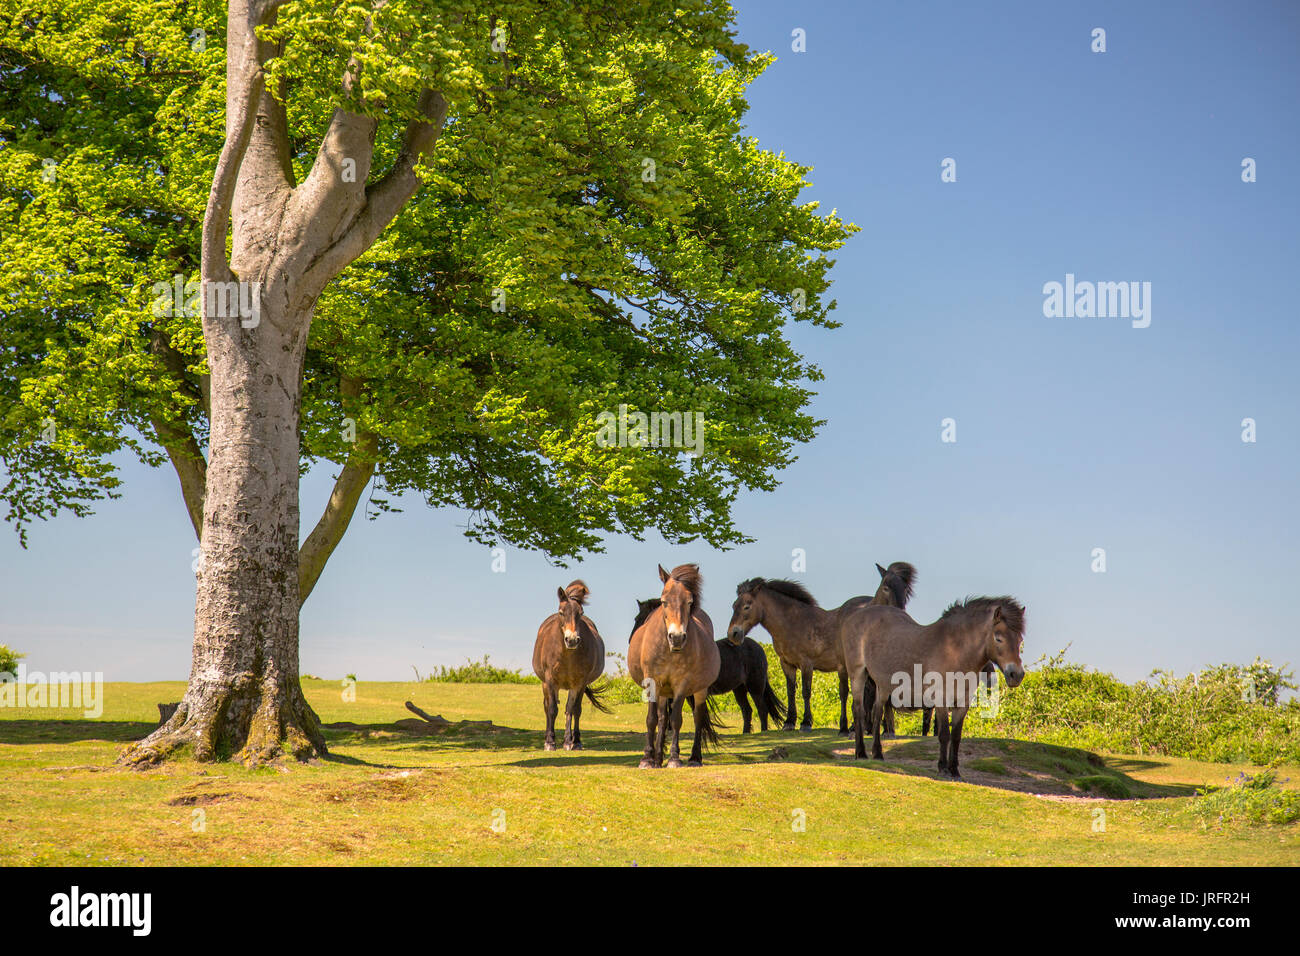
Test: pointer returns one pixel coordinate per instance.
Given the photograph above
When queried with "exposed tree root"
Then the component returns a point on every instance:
(254, 724)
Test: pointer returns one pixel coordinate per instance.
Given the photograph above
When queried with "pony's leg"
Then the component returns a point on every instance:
(665, 711)
(651, 725)
(791, 694)
(926, 714)
(577, 719)
(806, 723)
(877, 718)
(889, 719)
(697, 748)
(859, 687)
(740, 694)
(551, 707)
(568, 720)
(844, 701)
(941, 731)
(758, 690)
(760, 705)
(675, 756)
(955, 745)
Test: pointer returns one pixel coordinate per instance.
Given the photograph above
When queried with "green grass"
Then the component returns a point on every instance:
(388, 798)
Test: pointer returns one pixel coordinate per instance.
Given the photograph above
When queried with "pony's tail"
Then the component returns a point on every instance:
(596, 694)
(772, 703)
(706, 721)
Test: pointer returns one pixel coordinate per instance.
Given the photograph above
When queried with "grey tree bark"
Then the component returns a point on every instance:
(244, 699)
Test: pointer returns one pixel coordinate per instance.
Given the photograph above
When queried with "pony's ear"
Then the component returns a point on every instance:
(663, 575)
(997, 614)
(563, 595)
(882, 571)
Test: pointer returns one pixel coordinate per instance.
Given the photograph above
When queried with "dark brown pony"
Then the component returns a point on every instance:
(896, 583)
(672, 655)
(569, 655)
(889, 655)
(805, 636)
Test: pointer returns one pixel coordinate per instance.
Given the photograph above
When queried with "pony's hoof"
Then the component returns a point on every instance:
(788, 727)
(577, 745)
(549, 745)
(805, 728)
(889, 736)
(695, 763)
(646, 764)
(673, 764)
(844, 732)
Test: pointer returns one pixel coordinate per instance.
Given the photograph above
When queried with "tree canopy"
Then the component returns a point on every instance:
(595, 229)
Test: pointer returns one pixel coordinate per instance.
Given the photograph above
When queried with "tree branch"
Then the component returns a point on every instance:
(245, 82)
(348, 488)
(385, 199)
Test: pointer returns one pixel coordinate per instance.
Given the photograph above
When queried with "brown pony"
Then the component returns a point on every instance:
(804, 635)
(569, 654)
(673, 656)
(889, 655)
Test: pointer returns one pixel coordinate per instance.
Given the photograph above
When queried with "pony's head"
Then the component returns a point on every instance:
(680, 596)
(896, 583)
(746, 610)
(572, 599)
(1004, 632)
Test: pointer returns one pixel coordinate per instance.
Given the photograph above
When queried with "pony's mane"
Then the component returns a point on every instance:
(900, 578)
(1013, 612)
(688, 575)
(644, 610)
(578, 591)
(790, 589)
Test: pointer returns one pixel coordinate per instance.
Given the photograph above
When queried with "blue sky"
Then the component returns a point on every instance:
(1072, 434)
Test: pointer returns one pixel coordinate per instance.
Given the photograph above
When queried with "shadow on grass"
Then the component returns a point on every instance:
(73, 731)
(1023, 766)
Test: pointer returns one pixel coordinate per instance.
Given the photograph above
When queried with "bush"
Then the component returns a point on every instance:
(1222, 714)
(479, 672)
(1248, 799)
(9, 660)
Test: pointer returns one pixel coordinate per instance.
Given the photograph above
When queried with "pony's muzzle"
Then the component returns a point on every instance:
(736, 636)
(1014, 673)
(570, 639)
(676, 637)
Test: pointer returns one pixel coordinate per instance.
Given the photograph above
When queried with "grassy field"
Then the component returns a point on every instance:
(493, 796)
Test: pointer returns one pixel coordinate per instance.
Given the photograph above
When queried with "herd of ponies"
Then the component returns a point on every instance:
(870, 642)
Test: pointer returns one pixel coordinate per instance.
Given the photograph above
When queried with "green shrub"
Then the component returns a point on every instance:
(1248, 799)
(480, 672)
(9, 660)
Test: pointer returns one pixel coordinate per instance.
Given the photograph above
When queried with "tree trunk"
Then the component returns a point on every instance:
(244, 698)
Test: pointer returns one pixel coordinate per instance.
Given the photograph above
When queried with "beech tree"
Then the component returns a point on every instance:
(427, 244)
